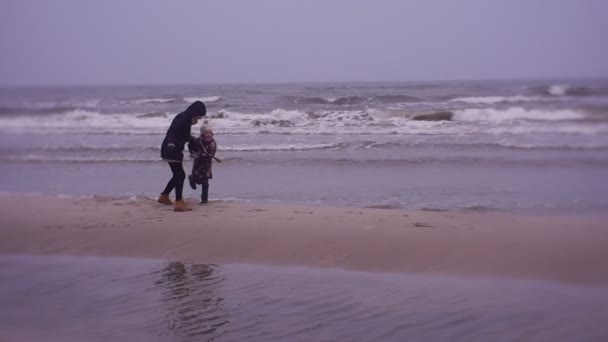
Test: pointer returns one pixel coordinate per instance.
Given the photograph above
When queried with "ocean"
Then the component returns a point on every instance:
(517, 146)
(535, 147)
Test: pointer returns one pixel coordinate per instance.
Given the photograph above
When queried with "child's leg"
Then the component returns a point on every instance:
(191, 181)
(205, 191)
(191, 177)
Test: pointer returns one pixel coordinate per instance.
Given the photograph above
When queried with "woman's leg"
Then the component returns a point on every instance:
(179, 175)
(177, 181)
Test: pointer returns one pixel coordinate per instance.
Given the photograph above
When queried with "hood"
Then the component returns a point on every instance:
(196, 109)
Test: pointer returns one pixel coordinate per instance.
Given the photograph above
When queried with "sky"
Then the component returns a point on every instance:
(72, 42)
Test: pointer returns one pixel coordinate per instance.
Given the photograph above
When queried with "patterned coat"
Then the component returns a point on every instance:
(203, 153)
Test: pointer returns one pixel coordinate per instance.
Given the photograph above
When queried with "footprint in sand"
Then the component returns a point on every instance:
(55, 227)
(302, 212)
(256, 210)
(422, 225)
(88, 227)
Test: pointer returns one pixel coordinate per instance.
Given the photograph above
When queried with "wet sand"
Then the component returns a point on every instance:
(565, 249)
(62, 298)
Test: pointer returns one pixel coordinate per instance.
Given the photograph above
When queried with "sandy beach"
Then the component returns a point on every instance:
(564, 249)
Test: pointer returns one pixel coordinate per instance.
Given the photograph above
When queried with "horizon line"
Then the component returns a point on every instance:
(153, 84)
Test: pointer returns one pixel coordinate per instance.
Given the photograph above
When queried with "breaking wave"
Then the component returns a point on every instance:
(280, 147)
(495, 99)
(395, 99)
(202, 98)
(355, 100)
(517, 113)
(562, 89)
(339, 101)
(282, 121)
(155, 100)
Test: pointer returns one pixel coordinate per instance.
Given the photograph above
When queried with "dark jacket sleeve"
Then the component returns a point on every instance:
(194, 146)
(178, 133)
(177, 136)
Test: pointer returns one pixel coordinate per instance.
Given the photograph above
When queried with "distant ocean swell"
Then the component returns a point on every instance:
(93, 105)
(543, 94)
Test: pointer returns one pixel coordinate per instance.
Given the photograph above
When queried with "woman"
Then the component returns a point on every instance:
(172, 149)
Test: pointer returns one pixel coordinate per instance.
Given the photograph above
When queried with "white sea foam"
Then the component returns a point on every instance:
(83, 121)
(202, 98)
(279, 147)
(558, 89)
(495, 99)
(562, 128)
(154, 100)
(516, 113)
(280, 121)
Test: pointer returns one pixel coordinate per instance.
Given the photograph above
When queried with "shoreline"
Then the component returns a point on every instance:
(193, 199)
(563, 249)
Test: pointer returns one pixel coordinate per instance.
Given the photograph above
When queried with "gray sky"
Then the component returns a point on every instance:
(188, 41)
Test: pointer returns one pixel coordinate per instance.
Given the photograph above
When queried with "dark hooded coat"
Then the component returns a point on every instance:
(178, 133)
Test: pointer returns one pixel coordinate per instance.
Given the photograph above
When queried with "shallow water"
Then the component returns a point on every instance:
(120, 299)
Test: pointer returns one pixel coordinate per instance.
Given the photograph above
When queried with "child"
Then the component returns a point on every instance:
(203, 152)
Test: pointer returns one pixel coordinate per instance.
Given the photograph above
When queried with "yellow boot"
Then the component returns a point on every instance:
(181, 206)
(164, 199)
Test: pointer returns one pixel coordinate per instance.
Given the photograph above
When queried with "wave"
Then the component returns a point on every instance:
(339, 101)
(346, 161)
(354, 100)
(152, 115)
(495, 99)
(281, 121)
(562, 89)
(574, 129)
(190, 99)
(85, 121)
(312, 100)
(202, 98)
(155, 100)
(348, 100)
(512, 145)
(15, 111)
(47, 107)
(517, 113)
(395, 99)
(279, 147)
(566, 90)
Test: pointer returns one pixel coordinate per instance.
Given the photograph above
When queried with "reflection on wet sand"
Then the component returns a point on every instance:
(81, 299)
(194, 311)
